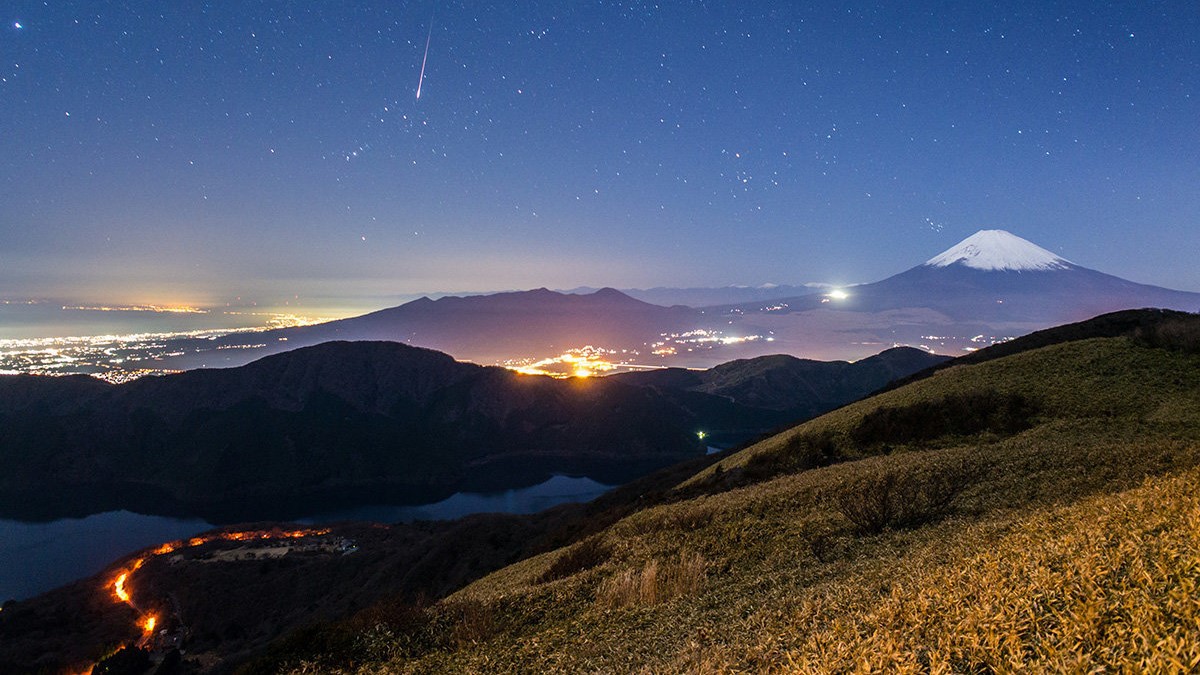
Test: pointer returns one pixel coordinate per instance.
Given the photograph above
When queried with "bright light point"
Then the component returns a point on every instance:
(17, 25)
(701, 435)
(838, 294)
(582, 372)
(148, 624)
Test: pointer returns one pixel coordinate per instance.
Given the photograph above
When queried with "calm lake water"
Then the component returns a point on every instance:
(36, 557)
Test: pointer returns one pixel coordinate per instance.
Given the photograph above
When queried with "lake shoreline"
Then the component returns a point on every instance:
(83, 546)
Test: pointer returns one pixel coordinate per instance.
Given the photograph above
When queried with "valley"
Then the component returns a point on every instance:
(355, 423)
(790, 516)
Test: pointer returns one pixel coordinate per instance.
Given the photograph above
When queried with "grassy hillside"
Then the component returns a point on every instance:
(1034, 511)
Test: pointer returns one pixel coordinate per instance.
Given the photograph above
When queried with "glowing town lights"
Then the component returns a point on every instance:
(109, 356)
(147, 622)
(119, 588)
(157, 309)
(169, 547)
(580, 362)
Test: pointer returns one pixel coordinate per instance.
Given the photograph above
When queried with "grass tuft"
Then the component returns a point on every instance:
(654, 583)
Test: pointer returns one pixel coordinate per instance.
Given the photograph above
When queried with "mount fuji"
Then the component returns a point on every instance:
(998, 250)
(990, 286)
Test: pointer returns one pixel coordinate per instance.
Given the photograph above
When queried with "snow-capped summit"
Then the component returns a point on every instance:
(997, 250)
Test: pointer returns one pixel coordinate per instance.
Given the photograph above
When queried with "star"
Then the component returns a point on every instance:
(17, 25)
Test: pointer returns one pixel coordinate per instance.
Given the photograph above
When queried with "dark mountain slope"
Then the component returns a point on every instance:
(340, 422)
(32, 392)
(797, 387)
(367, 422)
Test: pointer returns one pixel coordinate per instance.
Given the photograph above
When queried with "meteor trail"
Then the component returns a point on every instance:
(425, 59)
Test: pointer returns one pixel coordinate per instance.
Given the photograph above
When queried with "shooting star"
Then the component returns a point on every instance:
(425, 59)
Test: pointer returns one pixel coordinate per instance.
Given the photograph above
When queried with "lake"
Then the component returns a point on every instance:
(36, 557)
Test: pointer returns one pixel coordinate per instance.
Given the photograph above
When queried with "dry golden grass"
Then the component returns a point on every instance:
(1108, 585)
(653, 583)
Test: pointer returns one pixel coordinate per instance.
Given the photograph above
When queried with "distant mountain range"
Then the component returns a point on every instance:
(990, 287)
(352, 423)
(485, 329)
(709, 297)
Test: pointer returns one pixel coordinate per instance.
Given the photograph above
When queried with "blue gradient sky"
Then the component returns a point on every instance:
(199, 152)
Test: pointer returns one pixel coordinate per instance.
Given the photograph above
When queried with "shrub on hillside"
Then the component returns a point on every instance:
(390, 628)
(1179, 334)
(962, 414)
(800, 453)
(899, 497)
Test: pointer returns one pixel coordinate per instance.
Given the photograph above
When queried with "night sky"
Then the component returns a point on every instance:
(197, 152)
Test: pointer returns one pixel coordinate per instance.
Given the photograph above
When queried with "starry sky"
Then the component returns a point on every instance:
(277, 153)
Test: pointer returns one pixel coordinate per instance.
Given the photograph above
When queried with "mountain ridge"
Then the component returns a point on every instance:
(348, 423)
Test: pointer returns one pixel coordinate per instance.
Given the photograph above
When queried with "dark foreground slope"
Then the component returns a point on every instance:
(1034, 511)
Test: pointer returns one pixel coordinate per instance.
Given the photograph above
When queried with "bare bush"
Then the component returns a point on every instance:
(896, 498)
(1179, 334)
(821, 542)
(800, 453)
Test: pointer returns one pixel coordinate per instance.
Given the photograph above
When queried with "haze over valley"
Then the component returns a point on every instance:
(991, 287)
